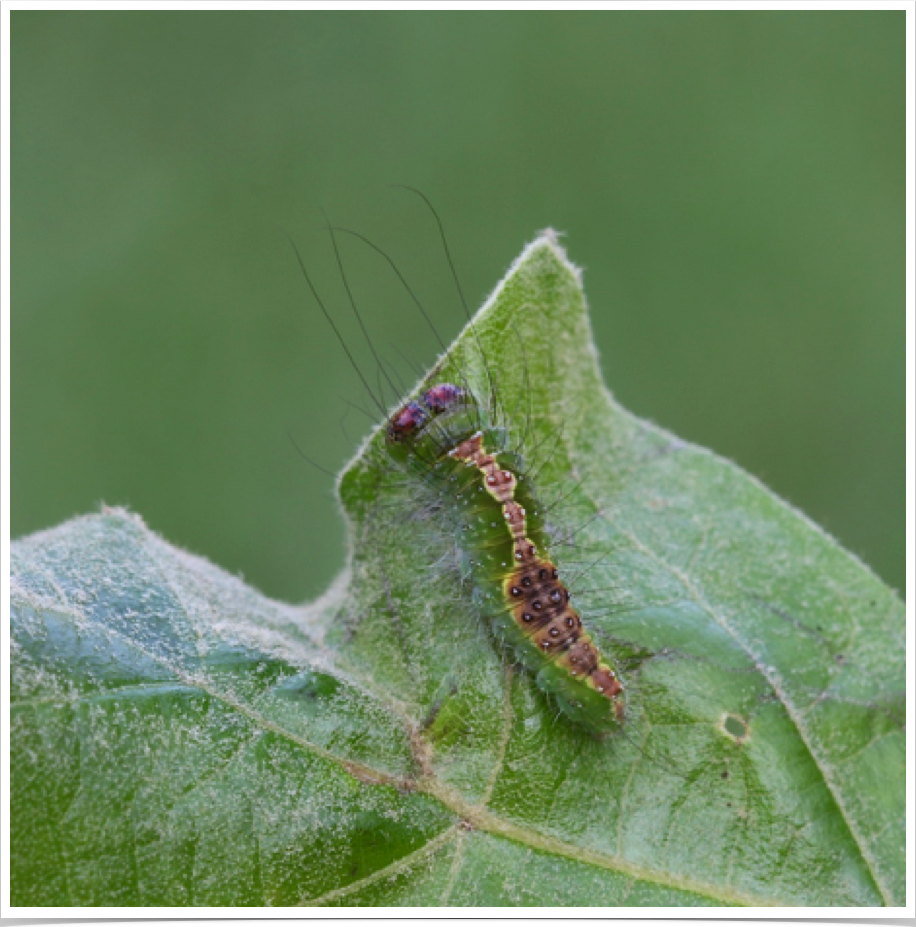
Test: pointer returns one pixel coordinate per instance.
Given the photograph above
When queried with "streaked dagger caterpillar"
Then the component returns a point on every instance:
(445, 437)
(465, 456)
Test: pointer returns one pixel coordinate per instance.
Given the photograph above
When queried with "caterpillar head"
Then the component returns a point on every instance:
(425, 426)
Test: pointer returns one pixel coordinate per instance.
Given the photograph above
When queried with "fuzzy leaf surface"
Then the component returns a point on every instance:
(179, 739)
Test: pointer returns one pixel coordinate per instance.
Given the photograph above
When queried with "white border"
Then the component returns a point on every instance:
(15, 5)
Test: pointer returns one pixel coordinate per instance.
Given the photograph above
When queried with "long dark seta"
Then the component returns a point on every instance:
(334, 328)
(446, 351)
(467, 312)
(356, 312)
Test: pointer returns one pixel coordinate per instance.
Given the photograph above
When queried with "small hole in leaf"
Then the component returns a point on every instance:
(735, 727)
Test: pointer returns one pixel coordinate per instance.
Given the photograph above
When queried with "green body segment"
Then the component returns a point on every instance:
(514, 584)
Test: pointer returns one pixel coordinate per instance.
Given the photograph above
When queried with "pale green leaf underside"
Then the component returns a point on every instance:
(180, 740)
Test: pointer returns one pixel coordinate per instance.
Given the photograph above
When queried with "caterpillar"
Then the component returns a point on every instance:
(471, 475)
(444, 437)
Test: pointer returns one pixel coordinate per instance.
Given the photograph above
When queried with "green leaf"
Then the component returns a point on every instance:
(178, 739)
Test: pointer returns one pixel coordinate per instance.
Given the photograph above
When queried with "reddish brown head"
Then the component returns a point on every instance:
(411, 418)
(406, 422)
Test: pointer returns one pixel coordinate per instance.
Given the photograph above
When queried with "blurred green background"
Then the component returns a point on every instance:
(732, 183)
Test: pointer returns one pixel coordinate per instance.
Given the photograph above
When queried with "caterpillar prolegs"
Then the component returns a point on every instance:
(445, 438)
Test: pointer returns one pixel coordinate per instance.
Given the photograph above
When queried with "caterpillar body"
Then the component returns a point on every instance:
(464, 457)
(445, 439)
